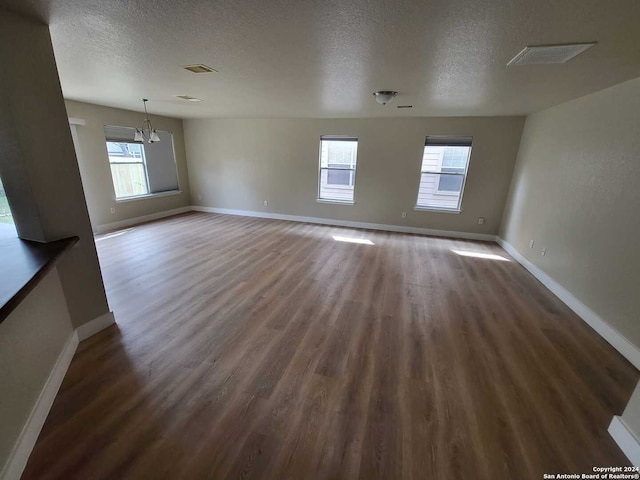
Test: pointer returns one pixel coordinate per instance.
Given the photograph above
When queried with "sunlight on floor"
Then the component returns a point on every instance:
(362, 241)
(114, 234)
(486, 256)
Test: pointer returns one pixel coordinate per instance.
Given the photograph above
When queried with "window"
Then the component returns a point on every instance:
(140, 169)
(337, 175)
(128, 169)
(5, 211)
(443, 174)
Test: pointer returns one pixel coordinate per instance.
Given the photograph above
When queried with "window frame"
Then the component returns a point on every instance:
(144, 167)
(441, 141)
(352, 174)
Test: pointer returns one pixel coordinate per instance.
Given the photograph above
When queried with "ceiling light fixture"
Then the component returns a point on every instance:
(189, 98)
(199, 68)
(146, 132)
(384, 96)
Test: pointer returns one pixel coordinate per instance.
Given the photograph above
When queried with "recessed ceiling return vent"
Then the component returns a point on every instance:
(545, 54)
(199, 68)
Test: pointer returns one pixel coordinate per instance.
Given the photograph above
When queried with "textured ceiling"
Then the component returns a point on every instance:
(303, 58)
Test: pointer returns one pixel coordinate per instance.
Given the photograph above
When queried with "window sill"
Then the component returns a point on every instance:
(437, 210)
(149, 195)
(334, 202)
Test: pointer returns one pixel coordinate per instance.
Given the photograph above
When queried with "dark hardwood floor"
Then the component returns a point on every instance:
(252, 348)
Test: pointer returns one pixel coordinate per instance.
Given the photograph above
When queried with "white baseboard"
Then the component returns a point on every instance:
(626, 440)
(610, 334)
(137, 220)
(24, 445)
(348, 223)
(26, 441)
(96, 325)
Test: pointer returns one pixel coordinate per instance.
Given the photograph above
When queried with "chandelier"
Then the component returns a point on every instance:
(146, 132)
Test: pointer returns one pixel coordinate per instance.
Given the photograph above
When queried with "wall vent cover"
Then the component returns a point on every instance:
(546, 54)
(189, 98)
(199, 68)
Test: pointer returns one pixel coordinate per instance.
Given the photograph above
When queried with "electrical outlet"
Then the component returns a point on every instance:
(480, 220)
(543, 252)
(113, 209)
(266, 203)
(531, 243)
(404, 214)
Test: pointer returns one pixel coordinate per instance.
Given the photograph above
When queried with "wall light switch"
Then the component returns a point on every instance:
(113, 209)
(543, 252)
(531, 244)
(480, 220)
(266, 203)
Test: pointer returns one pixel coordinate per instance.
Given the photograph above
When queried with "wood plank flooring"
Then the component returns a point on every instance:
(260, 349)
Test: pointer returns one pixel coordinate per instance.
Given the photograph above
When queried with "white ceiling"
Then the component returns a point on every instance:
(324, 58)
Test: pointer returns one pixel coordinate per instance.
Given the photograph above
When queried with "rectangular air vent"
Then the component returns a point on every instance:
(199, 68)
(546, 54)
(404, 106)
(189, 98)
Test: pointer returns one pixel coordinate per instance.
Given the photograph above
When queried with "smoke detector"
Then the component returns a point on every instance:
(384, 96)
(547, 54)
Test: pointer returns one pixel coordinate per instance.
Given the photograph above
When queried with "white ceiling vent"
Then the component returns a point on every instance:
(199, 68)
(544, 54)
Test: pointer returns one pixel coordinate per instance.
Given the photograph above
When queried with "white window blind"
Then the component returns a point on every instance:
(161, 164)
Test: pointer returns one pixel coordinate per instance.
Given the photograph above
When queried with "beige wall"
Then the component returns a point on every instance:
(575, 191)
(94, 163)
(31, 340)
(38, 163)
(40, 173)
(237, 164)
